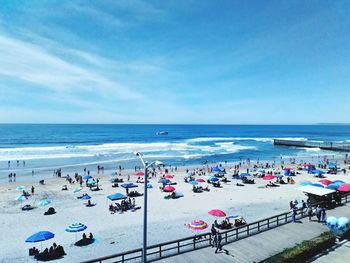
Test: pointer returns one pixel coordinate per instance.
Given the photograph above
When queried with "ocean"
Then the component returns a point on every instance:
(49, 146)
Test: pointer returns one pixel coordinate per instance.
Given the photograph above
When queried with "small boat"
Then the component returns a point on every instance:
(162, 133)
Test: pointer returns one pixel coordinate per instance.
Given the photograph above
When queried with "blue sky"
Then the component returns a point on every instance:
(219, 62)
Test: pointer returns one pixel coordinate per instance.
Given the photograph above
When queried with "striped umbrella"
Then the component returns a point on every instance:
(76, 227)
(197, 225)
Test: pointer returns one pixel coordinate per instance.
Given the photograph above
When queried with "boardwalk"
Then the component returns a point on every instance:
(259, 247)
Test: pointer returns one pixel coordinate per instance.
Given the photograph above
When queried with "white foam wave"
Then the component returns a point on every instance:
(216, 139)
(293, 138)
(312, 149)
(175, 149)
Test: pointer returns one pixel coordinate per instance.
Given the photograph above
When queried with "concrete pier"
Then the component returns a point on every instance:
(332, 146)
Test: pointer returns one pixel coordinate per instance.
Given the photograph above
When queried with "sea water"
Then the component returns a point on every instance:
(48, 147)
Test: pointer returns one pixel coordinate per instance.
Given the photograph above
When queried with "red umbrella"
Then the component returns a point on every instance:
(288, 168)
(169, 188)
(268, 177)
(200, 180)
(169, 176)
(344, 188)
(140, 173)
(326, 182)
(217, 212)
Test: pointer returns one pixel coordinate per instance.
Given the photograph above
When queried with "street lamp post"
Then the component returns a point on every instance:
(146, 166)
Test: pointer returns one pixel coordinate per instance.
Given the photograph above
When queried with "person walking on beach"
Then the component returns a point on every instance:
(9, 164)
(294, 214)
(32, 190)
(32, 172)
(318, 213)
(218, 244)
(309, 212)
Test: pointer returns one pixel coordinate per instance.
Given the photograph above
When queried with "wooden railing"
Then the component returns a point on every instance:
(179, 246)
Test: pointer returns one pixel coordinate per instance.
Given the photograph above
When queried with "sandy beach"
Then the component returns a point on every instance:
(115, 233)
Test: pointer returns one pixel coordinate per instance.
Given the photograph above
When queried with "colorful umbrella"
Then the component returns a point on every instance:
(344, 188)
(317, 185)
(193, 182)
(164, 181)
(43, 202)
(78, 189)
(245, 175)
(268, 177)
(76, 227)
(213, 179)
(40, 236)
(169, 176)
(87, 177)
(169, 188)
(338, 182)
(129, 185)
(86, 197)
(333, 186)
(139, 173)
(217, 212)
(326, 182)
(197, 225)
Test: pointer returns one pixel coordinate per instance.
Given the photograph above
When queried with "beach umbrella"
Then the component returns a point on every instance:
(332, 186)
(116, 196)
(316, 171)
(287, 169)
(86, 197)
(169, 176)
(78, 189)
(213, 179)
(43, 202)
(149, 185)
(326, 182)
(76, 227)
(197, 225)
(178, 193)
(332, 165)
(20, 188)
(21, 198)
(245, 175)
(169, 188)
(129, 185)
(217, 169)
(317, 185)
(91, 182)
(200, 180)
(217, 212)
(268, 177)
(304, 183)
(338, 182)
(344, 188)
(164, 181)
(87, 177)
(39, 237)
(193, 182)
(139, 173)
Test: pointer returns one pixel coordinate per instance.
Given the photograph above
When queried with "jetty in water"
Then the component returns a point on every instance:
(332, 146)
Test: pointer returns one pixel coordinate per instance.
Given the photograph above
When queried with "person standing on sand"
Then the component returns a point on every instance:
(309, 212)
(33, 190)
(8, 164)
(32, 172)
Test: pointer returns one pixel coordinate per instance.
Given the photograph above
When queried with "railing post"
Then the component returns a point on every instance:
(178, 247)
(277, 221)
(258, 226)
(247, 230)
(123, 258)
(160, 251)
(268, 223)
(286, 217)
(194, 242)
(210, 239)
(226, 237)
(236, 233)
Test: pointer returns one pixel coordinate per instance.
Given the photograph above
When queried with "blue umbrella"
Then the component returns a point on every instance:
(317, 185)
(39, 237)
(43, 202)
(333, 186)
(21, 198)
(214, 179)
(217, 169)
(164, 181)
(338, 182)
(87, 177)
(76, 227)
(91, 181)
(317, 171)
(193, 182)
(86, 197)
(117, 196)
(332, 165)
(129, 185)
(245, 174)
(149, 185)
